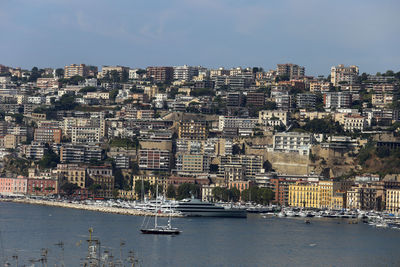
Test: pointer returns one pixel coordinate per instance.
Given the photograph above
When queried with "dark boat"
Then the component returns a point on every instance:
(161, 230)
(192, 207)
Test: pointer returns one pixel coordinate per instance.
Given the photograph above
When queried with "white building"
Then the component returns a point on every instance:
(293, 142)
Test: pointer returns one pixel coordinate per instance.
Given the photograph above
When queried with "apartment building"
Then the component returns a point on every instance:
(322, 194)
(363, 197)
(236, 122)
(192, 130)
(381, 100)
(13, 186)
(192, 163)
(160, 74)
(273, 117)
(320, 86)
(234, 172)
(185, 73)
(304, 194)
(119, 69)
(293, 142)
(72, 173)
(35, 150)
(341, 74)
(335, 100)
(393, 200)
(154, 160)
(255, 100)
(306, 100)
(85, 134)
(252, 164)
(293, 71)
(47, 83)
(75, 153)
(74, 70)
(48, 135)
(354, 122)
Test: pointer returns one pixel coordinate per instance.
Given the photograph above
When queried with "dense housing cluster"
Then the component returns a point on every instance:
(241, 134)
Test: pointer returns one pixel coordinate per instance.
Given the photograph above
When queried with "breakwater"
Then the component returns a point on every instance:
(80, 206)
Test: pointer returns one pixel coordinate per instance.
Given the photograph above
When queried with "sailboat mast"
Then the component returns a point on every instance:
(155, 220)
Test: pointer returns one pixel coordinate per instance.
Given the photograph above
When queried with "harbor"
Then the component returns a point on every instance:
(100, 206)
(254, 241)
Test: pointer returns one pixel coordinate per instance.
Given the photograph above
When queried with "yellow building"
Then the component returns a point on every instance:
(72, 173)
(393, 200)
(322, 195)
(304, 195)
(326, 193)
(192, 130)
(338, 201)
(126, 194)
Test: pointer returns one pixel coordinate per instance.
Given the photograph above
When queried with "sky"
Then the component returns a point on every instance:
(316, 34)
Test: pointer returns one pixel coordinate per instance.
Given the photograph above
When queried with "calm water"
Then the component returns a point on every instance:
(254, 241)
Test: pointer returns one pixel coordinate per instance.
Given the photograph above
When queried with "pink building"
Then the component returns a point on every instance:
(13, 186)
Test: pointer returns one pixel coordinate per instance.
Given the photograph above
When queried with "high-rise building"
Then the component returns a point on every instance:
(154, 159)
(306, 100)
(341, 74)
(255, 99)
(337, 100)
(74, 70)
(160, 74)
(293, 71)
(119, 69)
(185, 72)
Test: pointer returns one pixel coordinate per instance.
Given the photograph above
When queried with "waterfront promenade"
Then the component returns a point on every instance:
(80, 206)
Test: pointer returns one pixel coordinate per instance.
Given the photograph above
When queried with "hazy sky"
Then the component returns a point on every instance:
(316, 34)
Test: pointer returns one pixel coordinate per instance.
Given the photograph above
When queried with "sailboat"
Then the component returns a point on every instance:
(161, 229)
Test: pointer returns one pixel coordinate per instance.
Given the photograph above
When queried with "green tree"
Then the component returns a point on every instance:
(113, 94)
(185, 190)
(34, 75)
(267, 166)
(125, 142)
(87, 89)
(66, 102)
(94, 189)
(270, 105)
(124, 76)
(49, 160)
(235, 194)
(75, 80)
(214, 168)
(138, 187)
(115, 77)
(383, 152)
(69, 188)
(171, 192)
(135, 168)
(219, 193)
(37, 189)
(59, 72)
(119, 179)
(19, 118)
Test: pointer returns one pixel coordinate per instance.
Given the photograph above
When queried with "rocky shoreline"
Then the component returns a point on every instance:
(114, 210)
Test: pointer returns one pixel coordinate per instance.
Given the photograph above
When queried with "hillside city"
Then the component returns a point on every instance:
(241, 134)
